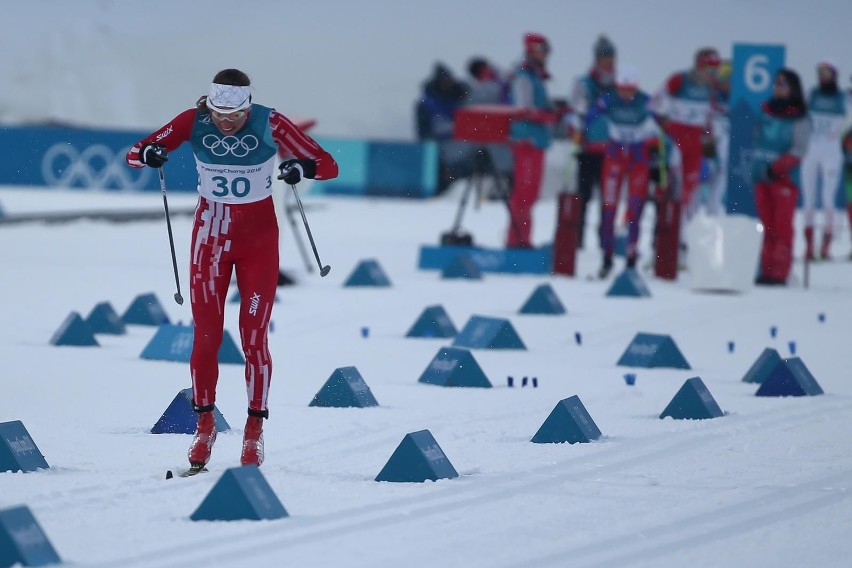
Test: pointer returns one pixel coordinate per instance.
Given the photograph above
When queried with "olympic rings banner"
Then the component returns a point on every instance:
(81, 158)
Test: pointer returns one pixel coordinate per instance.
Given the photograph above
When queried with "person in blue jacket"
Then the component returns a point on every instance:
(529, 136)
(781, 139)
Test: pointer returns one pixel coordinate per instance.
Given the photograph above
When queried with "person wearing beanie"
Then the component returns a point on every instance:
(781, 139)
(236, 143)
(828, 107)
(591, 136)
(632, 132)
(684, 108)
(529, 136)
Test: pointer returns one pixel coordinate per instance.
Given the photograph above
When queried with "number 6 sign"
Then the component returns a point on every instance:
(753, 70)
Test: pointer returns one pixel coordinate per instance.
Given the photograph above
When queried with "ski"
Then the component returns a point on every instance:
(192, 471)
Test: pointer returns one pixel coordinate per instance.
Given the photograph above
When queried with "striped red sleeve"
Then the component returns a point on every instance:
(293, 142)
(171, 136)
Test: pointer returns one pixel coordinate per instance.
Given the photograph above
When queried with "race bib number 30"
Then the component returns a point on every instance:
(236, 184)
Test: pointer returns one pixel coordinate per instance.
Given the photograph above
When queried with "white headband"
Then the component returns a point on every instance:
(228, 98)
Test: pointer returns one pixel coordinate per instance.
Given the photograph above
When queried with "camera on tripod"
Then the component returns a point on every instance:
(479, 125)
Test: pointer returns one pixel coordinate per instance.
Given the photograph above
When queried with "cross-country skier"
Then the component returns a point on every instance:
(684, 106)
(235, 143)
(631, 132)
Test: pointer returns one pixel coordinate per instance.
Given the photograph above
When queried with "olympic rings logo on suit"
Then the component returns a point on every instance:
(97, 166)
(237, 147)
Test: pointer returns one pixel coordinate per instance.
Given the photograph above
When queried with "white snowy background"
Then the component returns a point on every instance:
(767, 484)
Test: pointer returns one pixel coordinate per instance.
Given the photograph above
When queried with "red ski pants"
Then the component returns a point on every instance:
(688, 140)
(228, 238)
(617, 167)
(776, 207)
(529, 169)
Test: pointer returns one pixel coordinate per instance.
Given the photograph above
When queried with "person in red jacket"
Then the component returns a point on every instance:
(236, 144)
(684, 107)
(782, 134)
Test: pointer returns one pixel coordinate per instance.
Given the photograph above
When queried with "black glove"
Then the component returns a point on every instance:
(153, 155)
(292, 171)
(770, 174)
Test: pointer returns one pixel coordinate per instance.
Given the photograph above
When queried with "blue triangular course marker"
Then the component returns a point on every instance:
(174, 343)
(179, 418)
(235, 298)
(763, 366)
(792, 378)
(104, 319)
(651, 350)
(145, 309)
(345, 388)
(568, 422)
(22, 540)
(242, 493)
(417, 458)
(74, 331)
(433, 322)
(543, 300)
(488, 333)
(692, 402)
(18, 452)
(367, 273)
(453, 367)
(462, 266)
(629, 284)
(620, 245)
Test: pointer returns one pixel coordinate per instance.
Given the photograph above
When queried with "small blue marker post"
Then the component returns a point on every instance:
(792, 346)
(630, 378)
(365, 331)
(578, 338)
(510, 381)
(821, 317)
(524, 381)
(730, 347)
(535, 382)
(773, 331)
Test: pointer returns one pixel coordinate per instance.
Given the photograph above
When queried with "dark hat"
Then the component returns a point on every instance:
(604, 47)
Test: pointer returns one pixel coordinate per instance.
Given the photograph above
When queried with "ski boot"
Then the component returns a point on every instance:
(253, 438)
(606, 267)
(205, 436)
(826, 246)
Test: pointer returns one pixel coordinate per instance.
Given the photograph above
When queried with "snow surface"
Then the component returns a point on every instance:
(768, 484)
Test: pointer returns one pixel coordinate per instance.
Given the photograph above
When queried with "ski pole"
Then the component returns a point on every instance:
(178, 297)
(288, 211)
(323, 269)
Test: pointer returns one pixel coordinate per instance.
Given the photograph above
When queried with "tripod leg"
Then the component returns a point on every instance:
(504, 192)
